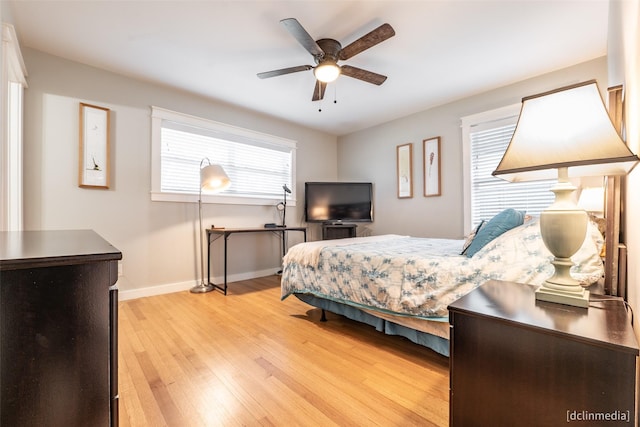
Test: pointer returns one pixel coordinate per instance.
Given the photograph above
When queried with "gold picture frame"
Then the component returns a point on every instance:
(431, 166)
(404, 169)
(94, 153)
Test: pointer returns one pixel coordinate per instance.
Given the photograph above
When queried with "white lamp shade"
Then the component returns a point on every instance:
(213, 178)
(327, 71)
(568, 127)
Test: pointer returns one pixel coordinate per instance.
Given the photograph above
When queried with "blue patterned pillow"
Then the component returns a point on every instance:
(504, 221)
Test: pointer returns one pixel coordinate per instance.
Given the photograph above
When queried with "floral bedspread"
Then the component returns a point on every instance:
(420, 277)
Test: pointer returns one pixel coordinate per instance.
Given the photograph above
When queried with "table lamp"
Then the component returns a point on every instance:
(213, 178)
(566, 132)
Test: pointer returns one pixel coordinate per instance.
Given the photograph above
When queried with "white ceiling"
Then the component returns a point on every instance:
(442, 50)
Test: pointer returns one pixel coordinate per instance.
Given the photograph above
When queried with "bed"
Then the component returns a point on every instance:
(402, 285)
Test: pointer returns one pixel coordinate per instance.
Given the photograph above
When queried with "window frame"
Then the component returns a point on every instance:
(467, 124)
(13, 75)
(158, 115)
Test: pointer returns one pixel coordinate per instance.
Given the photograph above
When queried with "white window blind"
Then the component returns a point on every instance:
(258, 165)
(490, 195)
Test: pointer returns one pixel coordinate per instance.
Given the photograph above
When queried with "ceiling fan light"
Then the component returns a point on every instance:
(327, 72)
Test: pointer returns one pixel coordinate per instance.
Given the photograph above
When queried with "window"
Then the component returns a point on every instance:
(485, 138)
(257, 164)
(12, 81)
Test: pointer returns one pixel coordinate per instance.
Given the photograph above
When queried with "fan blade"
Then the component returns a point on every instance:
(364, 75)
(370, 39)
(289, 70)
(293, 26)
(318, 91)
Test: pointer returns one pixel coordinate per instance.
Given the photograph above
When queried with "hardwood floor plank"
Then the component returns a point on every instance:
(249, 358)
(348, 379)
(138, 406)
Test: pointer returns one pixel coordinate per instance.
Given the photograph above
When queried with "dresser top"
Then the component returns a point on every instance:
(605, 323)
(31, 249)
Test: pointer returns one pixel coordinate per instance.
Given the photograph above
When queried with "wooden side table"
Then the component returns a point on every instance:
(518, 361)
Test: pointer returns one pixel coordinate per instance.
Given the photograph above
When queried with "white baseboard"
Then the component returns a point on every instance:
(169, 288)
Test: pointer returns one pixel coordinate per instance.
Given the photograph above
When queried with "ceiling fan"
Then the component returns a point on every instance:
(327, 52)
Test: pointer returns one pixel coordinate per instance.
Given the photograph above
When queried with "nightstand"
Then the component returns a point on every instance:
(518, 361)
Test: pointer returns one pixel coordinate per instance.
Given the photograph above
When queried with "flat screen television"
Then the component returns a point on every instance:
(338, 201)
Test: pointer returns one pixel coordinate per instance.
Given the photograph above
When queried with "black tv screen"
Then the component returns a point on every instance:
(338, 201)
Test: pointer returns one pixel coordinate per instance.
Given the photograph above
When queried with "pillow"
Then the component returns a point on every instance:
(504, 221)
(471, 236)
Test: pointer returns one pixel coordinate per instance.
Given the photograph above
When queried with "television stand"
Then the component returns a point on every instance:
(338, 230)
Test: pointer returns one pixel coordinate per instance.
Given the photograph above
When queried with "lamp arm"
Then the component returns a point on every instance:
(201, 237)
(284, 211)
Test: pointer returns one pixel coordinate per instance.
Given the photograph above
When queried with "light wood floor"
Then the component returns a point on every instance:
(251, 359)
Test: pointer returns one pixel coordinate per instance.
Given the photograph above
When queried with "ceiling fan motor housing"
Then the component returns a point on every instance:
(331, 49)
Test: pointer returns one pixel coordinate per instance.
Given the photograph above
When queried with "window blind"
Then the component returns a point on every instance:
(490, 195)
(257, 167)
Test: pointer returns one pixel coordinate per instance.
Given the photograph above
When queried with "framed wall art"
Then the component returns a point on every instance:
(404, 158)
(94, 147)
(431, 166)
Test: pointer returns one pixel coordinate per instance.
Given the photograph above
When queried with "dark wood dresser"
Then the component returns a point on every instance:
(58, 329)
(518, 361)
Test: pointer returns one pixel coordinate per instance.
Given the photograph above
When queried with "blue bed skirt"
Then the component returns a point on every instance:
(436, 343)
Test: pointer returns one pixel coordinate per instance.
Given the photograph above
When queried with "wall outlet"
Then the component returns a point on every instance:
(119, 268)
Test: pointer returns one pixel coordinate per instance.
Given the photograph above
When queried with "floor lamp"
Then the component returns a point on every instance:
(213, 179)
(566, 133)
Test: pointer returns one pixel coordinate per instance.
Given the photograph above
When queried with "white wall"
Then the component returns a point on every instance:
(370, 154)
(5, 12)
(158, 239)
(624, 66)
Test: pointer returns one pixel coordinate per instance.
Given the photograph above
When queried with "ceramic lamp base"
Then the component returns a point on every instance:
(580, 298)
(563, 228)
